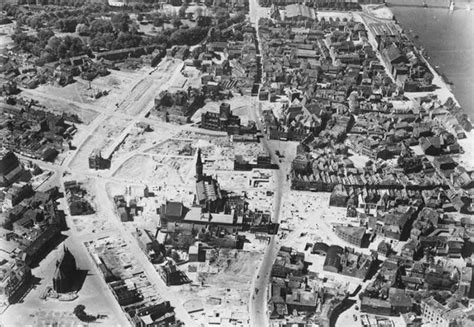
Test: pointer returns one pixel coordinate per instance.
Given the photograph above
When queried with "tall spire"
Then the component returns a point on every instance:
(199, 167)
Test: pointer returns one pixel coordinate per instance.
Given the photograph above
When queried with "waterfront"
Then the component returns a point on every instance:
(447, 36)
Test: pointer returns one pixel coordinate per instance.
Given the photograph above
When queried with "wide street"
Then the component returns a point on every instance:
(258, 296)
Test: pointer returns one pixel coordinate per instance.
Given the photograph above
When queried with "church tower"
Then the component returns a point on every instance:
(199, 166)
(65, 275)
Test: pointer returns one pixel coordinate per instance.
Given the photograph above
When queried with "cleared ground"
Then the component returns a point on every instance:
(155, 170)
(223, 287)
(307, 218)
(55, 100)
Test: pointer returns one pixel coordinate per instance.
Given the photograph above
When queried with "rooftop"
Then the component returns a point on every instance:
(174, 209)
(356, 232)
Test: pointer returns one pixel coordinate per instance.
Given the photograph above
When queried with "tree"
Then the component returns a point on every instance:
(82, 29)
(100, 26)
(36, 49)
(35, 21)
(428, 77)
(238, 36)
(182, 11)
(44, 35)
(214, 35)
(75, 46)
(121, 22)
(103, 40)
(23, 41)
(198, 12)
(81, 314)
(79, 309)
(47, 56)
(140, 17)
(53, 44)
(126, 40)
(89, 76)
(10, 9)
(223, 16)
(62, 51)
(178, 37)
(203, 21)
(67, 25)
(65, 47)
(134, 27)
(176, 22)
(158, 21)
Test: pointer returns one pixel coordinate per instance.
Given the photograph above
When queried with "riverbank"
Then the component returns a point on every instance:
(446, 36)
(439, 4)
(379, 11)
(443, 80)
(443, 89)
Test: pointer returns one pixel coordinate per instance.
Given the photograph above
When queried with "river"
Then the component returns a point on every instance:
(448, 38)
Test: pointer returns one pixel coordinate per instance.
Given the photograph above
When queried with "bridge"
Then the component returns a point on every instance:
(440, 4)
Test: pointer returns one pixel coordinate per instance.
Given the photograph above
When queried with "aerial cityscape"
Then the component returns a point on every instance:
(264, 163)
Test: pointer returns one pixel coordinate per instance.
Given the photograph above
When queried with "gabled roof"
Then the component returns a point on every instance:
(392, 53)
(296, 10)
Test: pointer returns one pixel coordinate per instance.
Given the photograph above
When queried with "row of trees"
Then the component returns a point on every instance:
(223, 32)
(48, 47)
(118, 32)
(112, 41)
(49, 18)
